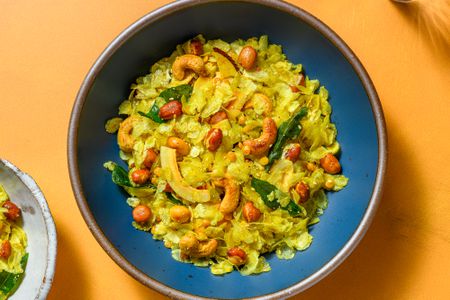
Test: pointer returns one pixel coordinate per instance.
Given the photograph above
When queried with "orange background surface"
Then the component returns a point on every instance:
(47, 47)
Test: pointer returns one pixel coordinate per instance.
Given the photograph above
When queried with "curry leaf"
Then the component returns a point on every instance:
(264, 189)
(174, 93)
(177, 92)
(9, 282)
(173, 199)
(289, 129)
(153, 114)
(120, 176)
(292, 208)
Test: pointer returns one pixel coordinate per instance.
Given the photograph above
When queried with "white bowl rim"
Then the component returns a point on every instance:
(34, 189)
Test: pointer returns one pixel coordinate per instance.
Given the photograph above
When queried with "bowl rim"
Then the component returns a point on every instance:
(167, 10)
(34, 189)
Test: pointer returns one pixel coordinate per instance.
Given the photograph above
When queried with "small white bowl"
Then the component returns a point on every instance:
(40, 229)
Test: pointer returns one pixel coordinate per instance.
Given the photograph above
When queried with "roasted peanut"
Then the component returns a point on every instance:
(260, 145)
(5, 249)
(250, 212)
(13, 212)
(140, 176)
(188, 62)
(330, 164)
(178, 144)
(217, 117)
(293, 152)
(195, 47)
(124, 137)
(150, 158)
(236, 256)
(207, 248)
(142, 213)
(180, 214)
(213, 139)
(302, 190)
(236, 260)
(247, 57)
(170, 110)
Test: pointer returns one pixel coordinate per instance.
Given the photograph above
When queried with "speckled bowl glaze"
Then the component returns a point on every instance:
(357, 114)
(40, 229)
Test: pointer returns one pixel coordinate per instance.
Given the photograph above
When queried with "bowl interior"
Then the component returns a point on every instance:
(35, 215)
(302, 43)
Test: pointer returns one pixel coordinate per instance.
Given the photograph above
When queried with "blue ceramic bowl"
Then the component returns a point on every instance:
(357, 114)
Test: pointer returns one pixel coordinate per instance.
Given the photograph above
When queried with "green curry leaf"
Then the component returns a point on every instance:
(264, 189)
(120, 176)
(153, 114)
(9, 282)
(289, 129)
(173, 199)
(174, 93)
(177, 92)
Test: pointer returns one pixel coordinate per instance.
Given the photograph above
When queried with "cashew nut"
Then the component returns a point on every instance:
(124, 137)
(178, 144)
(188, 243)
(206, 248)
(258, 97)
(250, 212)
(231, 199)
(190, 246)
(260, 145)
(185, 62)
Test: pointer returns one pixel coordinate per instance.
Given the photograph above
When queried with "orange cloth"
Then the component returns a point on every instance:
(47, 47)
